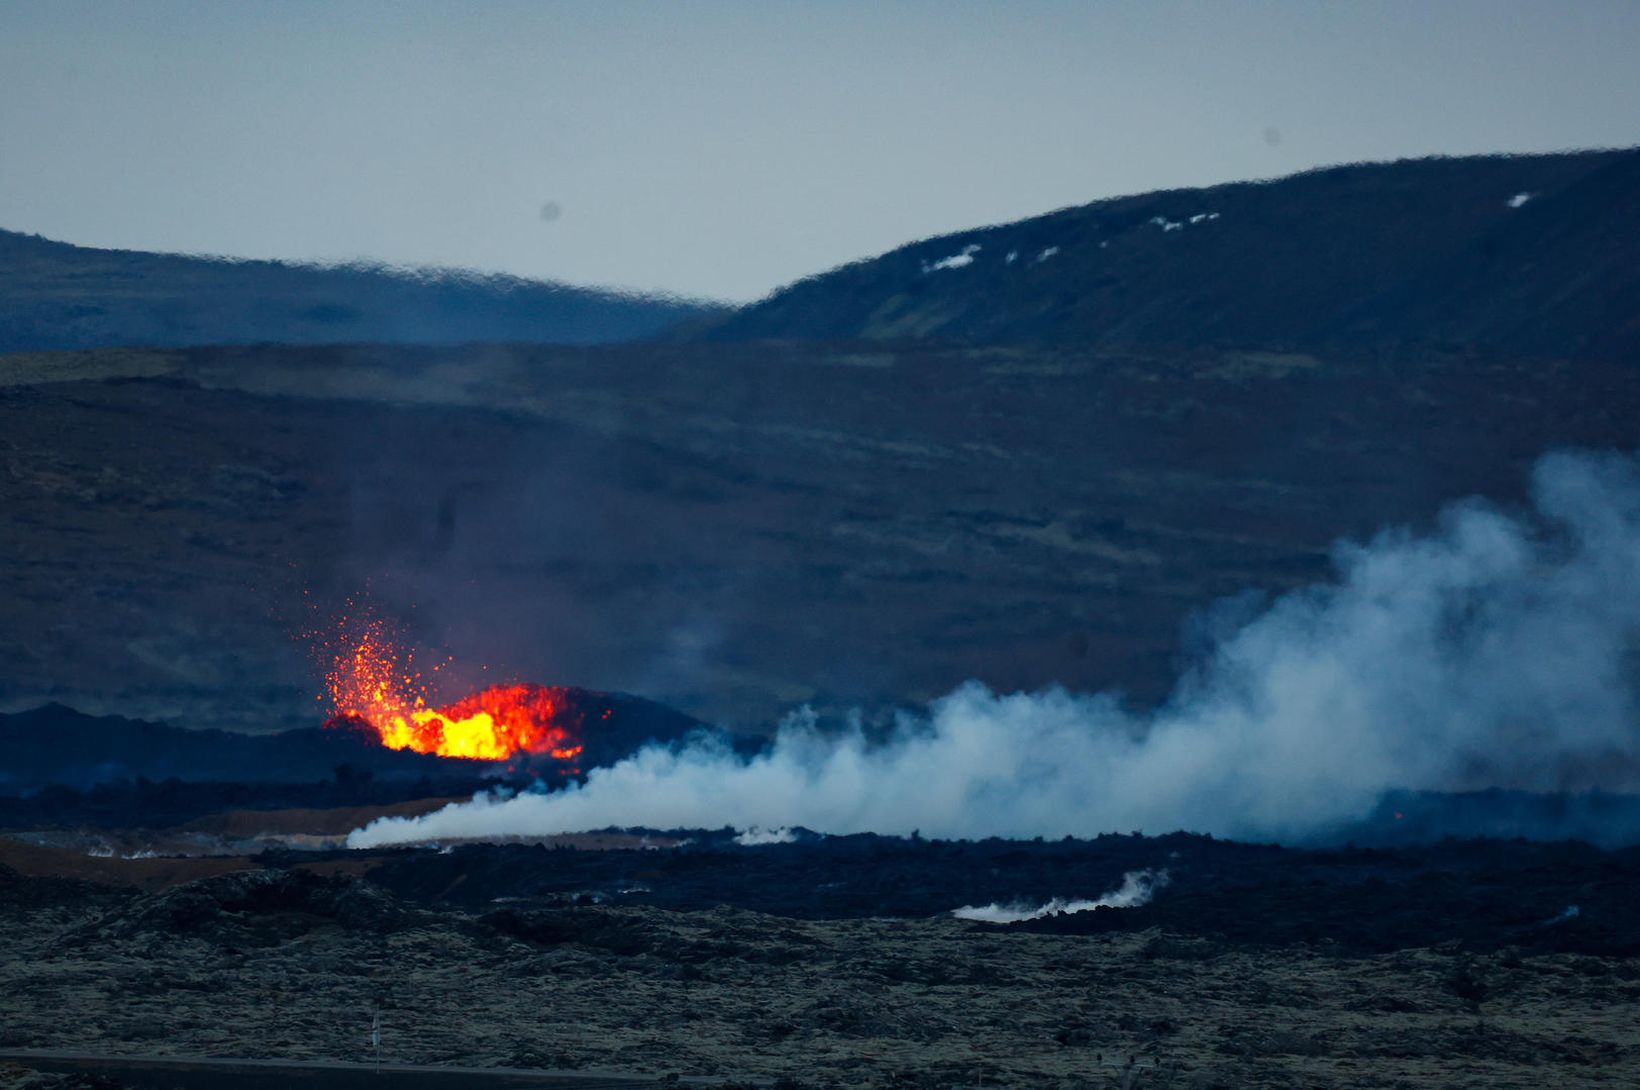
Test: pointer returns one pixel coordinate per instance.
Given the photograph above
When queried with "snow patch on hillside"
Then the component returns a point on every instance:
(955, 261)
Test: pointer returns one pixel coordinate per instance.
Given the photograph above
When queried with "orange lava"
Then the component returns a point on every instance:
(492, 724)
(370, 681)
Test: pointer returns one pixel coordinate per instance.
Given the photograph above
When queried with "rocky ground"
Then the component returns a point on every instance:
(281, 963)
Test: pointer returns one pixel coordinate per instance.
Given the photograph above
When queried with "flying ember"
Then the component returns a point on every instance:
(372, 682)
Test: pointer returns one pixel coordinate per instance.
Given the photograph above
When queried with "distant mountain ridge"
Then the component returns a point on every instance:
(1524, 255)
(54, 295)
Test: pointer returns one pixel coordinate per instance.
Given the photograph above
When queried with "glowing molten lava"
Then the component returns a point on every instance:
(492, 724)
(371, 682)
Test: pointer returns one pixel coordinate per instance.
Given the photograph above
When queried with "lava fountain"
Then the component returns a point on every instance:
(372, 683)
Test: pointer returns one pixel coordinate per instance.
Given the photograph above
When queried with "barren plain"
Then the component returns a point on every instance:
(298, 957)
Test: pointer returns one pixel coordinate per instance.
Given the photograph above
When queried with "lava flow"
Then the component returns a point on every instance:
(372, 683)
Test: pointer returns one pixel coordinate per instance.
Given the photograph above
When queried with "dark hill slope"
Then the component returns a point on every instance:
(733, 529)
(1360, 258)
(54, 295)
(54, 744)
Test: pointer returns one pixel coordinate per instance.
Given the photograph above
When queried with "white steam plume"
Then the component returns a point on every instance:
(1498, 651)
(1137, 888)
(756, 838)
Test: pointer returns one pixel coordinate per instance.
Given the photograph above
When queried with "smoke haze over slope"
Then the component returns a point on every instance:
(1497, 651)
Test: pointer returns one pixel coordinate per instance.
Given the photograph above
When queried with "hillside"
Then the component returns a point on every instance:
(53, 744)
(1030, 472)
(57, 296)
(732, 529)
(1526, 256)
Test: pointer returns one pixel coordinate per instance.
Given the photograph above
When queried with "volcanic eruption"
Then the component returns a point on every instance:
(373, 684)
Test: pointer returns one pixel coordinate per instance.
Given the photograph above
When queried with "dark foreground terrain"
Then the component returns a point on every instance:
(1457, 964)
(57, 1069)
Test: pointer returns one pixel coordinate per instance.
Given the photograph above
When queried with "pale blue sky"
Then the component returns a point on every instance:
(721, 149)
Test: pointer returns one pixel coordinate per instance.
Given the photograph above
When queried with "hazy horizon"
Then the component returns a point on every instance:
(720, 150)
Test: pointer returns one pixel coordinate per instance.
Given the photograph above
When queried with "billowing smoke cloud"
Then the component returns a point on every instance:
(1499, 650)
(1137, 888)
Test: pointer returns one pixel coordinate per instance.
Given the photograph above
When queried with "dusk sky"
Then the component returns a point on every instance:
(722, 149)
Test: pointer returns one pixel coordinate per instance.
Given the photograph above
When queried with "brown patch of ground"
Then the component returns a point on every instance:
(338, 821)
(147, 873)
(230, 842)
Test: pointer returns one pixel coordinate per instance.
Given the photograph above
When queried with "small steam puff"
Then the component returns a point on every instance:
(1496, 652)
(1137, 888)
(755, 837)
